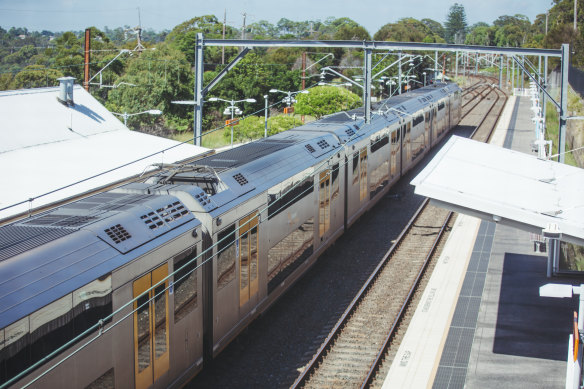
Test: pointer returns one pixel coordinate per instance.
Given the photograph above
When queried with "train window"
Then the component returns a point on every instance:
(363, 174)
(335, 182)
(151, 356)
(289, 253)
(418, 119)
(185, 283)
(16, 351)
(355, 168)
(441, 106)
(248, 257)
(378, 142)
(51, 327)
(324, 201)
(225, 257)
(92, 303)
(394, 151)
(33, 338)
(291, 191)
(106, 381)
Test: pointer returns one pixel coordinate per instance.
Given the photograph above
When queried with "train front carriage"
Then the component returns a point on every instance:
(87, 260)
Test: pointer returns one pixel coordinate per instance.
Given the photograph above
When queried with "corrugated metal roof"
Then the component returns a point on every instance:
(507, 186)
(45, 145)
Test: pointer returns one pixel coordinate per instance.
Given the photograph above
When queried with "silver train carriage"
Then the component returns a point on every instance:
(203, 248)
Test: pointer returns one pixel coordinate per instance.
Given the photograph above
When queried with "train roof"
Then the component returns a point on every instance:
(48, 256)
(233, 176)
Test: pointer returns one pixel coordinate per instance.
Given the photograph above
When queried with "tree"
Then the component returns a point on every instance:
(159, 76)
(253, 78)
(435, 27)
(184, 37)
(324, 100)
(481, 34)
(455, 26)
(36, 76)
(407, 30)
(253, 127)
(68, 55)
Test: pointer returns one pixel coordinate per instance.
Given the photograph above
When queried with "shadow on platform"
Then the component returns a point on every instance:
(529, 325)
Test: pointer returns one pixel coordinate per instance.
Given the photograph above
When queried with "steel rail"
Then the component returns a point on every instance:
(301, 380)
(409, 297)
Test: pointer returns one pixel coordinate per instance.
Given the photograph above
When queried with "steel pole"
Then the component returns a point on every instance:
(564, 102)
(476, 64)
(500, 72)
(523, 72)
(435, 65)
(367, 86)
(512, 77)
(456, 66)
(399, 73)
(198, 107)
(266, 117)
(231, 124)
(507, 78)
(545, 83)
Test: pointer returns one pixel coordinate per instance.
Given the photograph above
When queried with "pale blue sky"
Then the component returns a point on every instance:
(63, 15)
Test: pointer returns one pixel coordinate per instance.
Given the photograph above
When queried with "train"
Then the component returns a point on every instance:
(143, 285)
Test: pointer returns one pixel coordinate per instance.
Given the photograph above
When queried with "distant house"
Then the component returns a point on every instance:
(47, 144)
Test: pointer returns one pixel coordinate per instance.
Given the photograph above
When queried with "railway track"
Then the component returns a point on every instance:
(360, 348)
(354, 345)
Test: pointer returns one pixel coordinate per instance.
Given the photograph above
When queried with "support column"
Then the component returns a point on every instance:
(507, 78)
(476, 64)
(545, 84)
(435, 65)
(399, 74)
(501, 71)
(456, 66)
(539, 69)
(198, 112)
(551, 257)
(367, 86)
(512, 75)
(523, 72)
(563, 101)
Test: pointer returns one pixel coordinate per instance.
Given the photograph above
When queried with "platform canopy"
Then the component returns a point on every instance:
(506, 186)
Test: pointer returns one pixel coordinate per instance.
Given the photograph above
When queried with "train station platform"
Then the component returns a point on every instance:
(480, 322)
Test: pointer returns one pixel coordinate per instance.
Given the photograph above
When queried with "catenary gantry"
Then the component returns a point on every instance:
(368, 47)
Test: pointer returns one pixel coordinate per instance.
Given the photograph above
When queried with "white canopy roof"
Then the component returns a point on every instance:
(506, 186)
(45, 145)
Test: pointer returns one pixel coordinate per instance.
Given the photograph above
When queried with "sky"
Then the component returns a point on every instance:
(65, 15)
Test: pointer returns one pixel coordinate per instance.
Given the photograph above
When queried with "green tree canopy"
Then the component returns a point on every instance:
(407, 30)
(158, 77)
(184, 37)
(455, 25)
(324, 100)
(253, 127)
(435, 27)
(35, 76)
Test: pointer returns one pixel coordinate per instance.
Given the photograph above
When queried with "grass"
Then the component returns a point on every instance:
(552, 132)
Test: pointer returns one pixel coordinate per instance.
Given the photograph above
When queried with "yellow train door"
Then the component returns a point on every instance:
(248, 258)
(151, 355)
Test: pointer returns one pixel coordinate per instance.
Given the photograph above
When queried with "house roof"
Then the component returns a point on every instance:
(46, 145)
